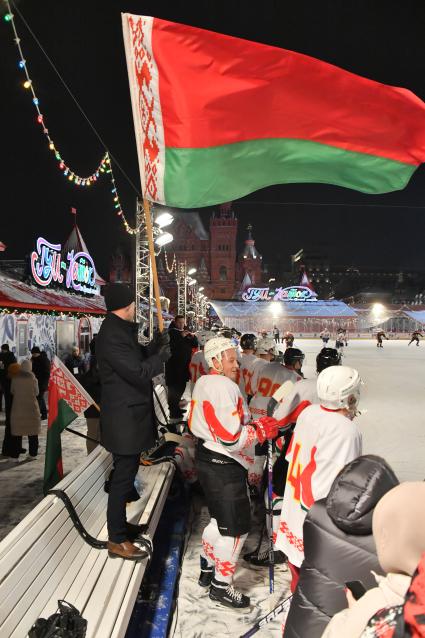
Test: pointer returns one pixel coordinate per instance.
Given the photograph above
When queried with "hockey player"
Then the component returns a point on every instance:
(303, 394)
(219, 418)
(379, 337)
(289, 339)
(198, 366)
(324, 440)
(325, 335)
(415, 337)
(340, 340)
(265, 352)
(248, 344)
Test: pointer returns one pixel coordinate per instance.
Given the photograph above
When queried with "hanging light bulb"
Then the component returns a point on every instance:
(191, 271)
(27, 84)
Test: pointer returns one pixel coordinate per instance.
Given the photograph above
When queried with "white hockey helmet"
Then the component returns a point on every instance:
(339, 387)
(214, 349)
(203, 336)
(265, 345)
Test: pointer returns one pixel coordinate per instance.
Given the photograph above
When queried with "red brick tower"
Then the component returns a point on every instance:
(223, 230)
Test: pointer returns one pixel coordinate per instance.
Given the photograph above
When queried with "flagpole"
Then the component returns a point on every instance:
(149, 233)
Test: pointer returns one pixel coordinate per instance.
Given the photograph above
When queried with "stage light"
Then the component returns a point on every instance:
(163, 239)
(191, 271)
(164, 219)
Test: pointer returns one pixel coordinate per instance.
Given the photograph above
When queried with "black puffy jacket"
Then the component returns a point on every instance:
(338, 545)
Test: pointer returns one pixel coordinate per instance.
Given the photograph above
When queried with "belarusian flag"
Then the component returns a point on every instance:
(67, 400)
(218, 117)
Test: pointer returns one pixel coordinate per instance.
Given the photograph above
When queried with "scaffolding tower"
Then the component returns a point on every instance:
(143, 278)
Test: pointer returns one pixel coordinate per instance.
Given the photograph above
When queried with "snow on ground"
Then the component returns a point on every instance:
(393, 427)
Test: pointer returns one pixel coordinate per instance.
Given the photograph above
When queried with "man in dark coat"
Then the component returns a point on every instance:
(6, 358)
(182, 343)
(126, 420)
(41, 370)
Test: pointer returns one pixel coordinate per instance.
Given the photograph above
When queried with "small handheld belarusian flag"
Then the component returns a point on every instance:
(218, 117)
(73, 211)
(67, 401)
(2, 247)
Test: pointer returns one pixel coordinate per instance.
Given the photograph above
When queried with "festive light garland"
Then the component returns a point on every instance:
(105, 165)
(21, 312)
(173, 265)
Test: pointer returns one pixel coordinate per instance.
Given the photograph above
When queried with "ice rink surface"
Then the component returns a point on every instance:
(393, 397)
(393, 427)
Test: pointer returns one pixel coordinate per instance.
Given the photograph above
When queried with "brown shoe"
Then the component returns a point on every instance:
(125, 550)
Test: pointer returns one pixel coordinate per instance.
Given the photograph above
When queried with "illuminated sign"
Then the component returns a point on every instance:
(76, 273)
(292, 293)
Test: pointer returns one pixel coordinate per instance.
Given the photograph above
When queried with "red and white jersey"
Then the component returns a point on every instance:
(323, 443)
(254, 374)
(303, 394)
(197, 367)
(219, 416)
(245, 365)
(268, 378)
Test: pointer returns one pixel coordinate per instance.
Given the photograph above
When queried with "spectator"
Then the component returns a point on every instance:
(75, 363)
(276, 334)
(338, 545)
(25, 415)
(177, 373)
(399, 531)
(41, 370)
(127, 414)
(6, 358)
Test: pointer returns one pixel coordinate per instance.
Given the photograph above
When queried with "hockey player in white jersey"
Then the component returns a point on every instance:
(270, 376)
(248, 344)
(265, 352)
(220, 420)
(304, 393)
(324, 440)
(198, 366)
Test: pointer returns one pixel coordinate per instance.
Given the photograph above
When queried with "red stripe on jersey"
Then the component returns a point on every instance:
(215, 427)
(293, 416)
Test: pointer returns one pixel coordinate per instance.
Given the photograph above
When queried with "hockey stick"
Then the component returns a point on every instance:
(268, 618)
(280, 394)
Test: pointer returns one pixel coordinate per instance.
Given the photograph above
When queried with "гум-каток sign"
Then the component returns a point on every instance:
(291, 293)
(77, 273)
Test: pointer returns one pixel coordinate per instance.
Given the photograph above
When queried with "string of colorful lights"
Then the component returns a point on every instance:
(105, 165)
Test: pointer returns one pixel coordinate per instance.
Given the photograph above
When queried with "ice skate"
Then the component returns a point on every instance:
(260, 559)
(207, 573)
(228, 596)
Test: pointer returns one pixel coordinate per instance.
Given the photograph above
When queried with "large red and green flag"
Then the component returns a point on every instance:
(67, 400)
(218, 117)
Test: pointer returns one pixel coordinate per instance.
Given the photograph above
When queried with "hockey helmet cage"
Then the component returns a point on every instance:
(339, 387)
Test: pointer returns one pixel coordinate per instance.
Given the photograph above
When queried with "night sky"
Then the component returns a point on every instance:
(380, 39)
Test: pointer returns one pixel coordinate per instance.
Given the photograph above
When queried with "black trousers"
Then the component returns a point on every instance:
(8, 445)
(120, 486)
(42, 405)
(175, 392)
(16, 445)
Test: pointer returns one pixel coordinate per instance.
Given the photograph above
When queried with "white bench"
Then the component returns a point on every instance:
(45, 559)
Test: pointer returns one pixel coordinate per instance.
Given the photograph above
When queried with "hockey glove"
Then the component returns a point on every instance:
(164, 353)
(267, 428)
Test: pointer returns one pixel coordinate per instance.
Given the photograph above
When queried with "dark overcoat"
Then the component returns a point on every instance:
(126, 370)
